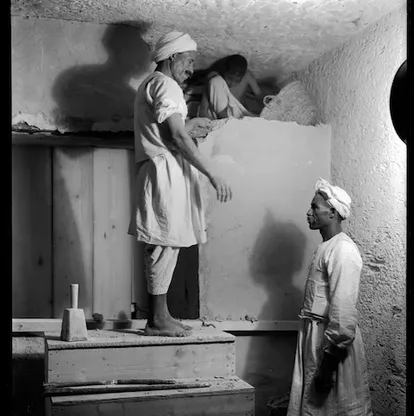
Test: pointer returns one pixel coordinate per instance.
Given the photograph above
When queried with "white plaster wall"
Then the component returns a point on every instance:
(352, 87)
(259, 244)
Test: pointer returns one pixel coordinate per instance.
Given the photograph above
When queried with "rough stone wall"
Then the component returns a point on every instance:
(277, 37)
(351, 86)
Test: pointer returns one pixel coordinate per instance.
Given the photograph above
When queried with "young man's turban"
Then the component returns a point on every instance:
(335, 196)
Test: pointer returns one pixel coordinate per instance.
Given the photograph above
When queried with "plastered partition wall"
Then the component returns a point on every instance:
(255, 261)
(73, 76)
(352, 88)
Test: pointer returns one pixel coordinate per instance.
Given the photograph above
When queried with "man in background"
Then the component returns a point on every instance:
(226, 88)
(330, 375)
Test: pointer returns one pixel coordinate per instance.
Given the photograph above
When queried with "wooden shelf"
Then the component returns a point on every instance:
(124, 140)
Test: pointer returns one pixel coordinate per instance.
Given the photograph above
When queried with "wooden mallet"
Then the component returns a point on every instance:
(73, 322)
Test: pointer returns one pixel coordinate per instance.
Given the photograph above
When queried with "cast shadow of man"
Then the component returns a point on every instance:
(278, 255)
(85, 94)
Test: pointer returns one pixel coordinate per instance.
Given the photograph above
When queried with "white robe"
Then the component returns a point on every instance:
(168, 205)
(218, 98)
(329, 323)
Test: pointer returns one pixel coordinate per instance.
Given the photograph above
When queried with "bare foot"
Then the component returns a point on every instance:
(181, 324)
(165, 328)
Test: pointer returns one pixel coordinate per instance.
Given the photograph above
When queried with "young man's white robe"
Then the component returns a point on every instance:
(329, 323)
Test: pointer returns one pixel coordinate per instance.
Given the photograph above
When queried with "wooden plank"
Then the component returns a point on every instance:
(255, 325)
(133, 338)
(134, 382)
(240, 404)
(151, 361)
(31, 232)
(113, 247)
(50, 325)
(35, 325)
(57, 140)
(110, 387)
(72, 227)
(229, 396)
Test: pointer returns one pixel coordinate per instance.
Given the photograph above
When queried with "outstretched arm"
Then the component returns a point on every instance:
(185, 145)
(166, 99)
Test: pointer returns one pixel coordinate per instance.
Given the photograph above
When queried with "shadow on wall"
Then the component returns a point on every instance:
(85, 94)
(277, 256)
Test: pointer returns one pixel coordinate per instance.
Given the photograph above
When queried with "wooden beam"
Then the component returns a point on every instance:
(225, 396)
(106, 140)
(51, 325)
(234, 326)
(36, 325)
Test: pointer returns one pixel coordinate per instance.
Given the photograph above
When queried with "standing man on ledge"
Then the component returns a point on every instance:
(169, 210)
(330, 375)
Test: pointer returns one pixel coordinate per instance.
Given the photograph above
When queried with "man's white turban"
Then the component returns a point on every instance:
(171, 43)
(335, 196)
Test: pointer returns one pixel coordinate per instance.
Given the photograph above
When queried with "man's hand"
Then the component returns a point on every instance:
(202, 122)
(198, 123)
(224, 193)
(323, 380)
(321, 386)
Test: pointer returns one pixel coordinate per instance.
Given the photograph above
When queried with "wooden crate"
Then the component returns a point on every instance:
(226, 396)
(123, 354)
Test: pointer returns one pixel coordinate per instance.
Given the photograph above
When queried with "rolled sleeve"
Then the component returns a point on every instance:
(166, 98)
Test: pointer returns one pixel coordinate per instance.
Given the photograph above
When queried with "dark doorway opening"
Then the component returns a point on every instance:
(184, 292)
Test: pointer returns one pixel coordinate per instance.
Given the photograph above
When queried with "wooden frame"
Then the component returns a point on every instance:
(52, 325)
(124, 140)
